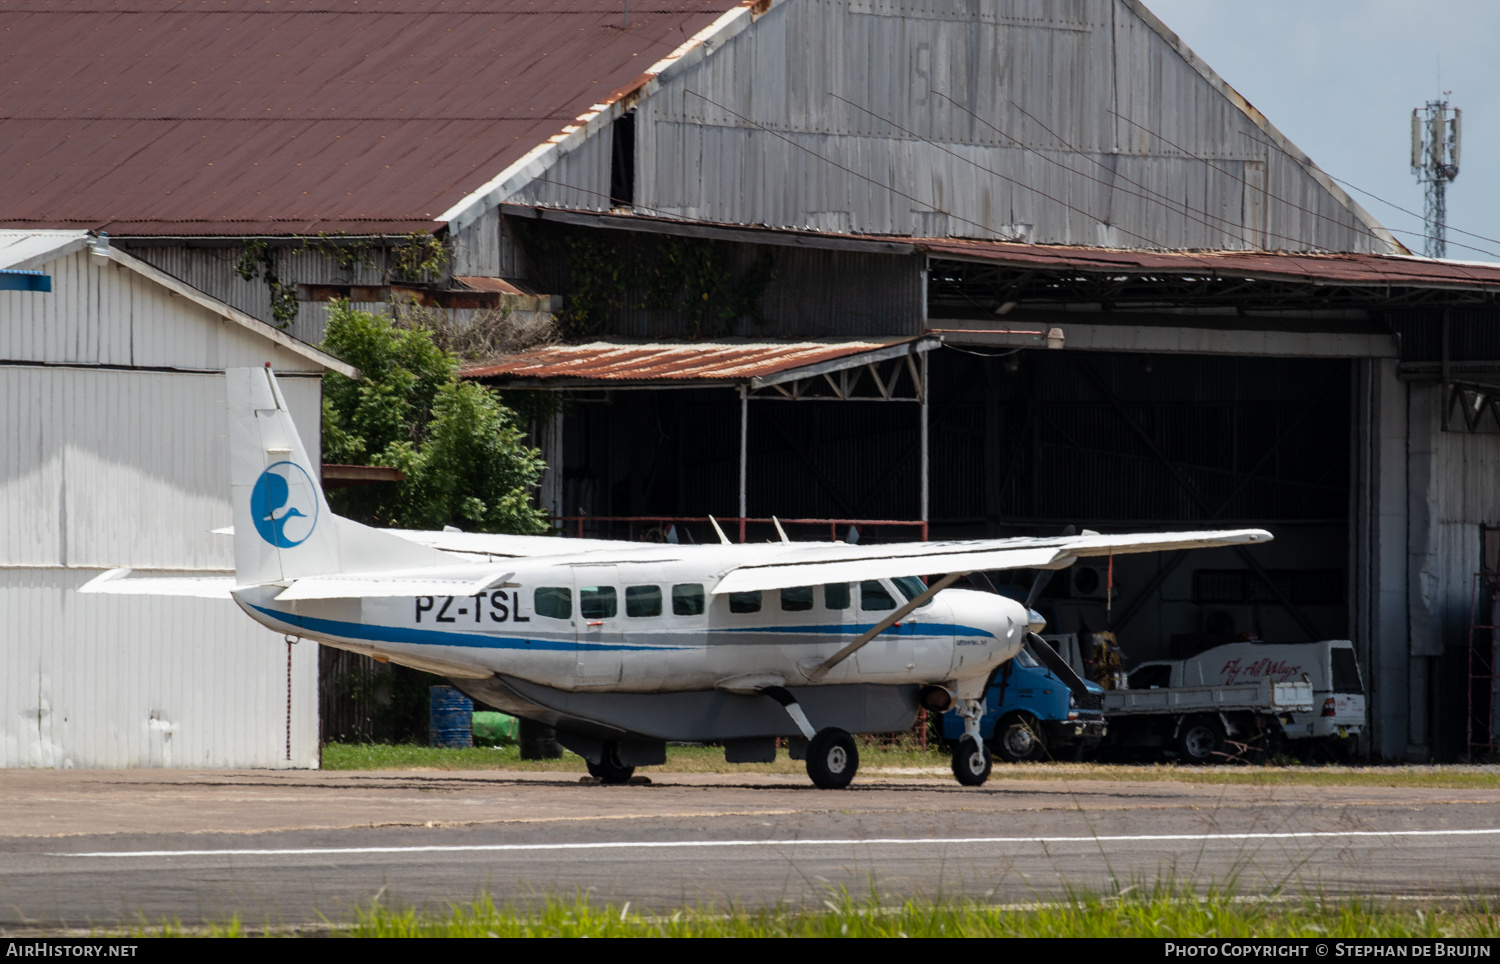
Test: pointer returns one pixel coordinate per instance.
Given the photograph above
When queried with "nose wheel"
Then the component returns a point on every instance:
(971, 762)
(971, 758)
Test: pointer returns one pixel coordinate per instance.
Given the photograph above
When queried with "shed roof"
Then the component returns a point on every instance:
(687, 364)
(1340, 269)
(243, 117)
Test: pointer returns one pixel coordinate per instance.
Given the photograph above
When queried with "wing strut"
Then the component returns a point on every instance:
(886, 623)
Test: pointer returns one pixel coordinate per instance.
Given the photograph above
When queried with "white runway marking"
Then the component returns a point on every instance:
(846, 842)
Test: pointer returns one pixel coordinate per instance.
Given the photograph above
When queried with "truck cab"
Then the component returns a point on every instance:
(1030, 714)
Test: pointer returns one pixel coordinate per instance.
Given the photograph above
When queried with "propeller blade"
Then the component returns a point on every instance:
(1057, 664)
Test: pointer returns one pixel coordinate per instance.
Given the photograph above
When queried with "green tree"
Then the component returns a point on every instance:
(460, 448)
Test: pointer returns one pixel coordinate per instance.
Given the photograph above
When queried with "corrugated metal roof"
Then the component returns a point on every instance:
(732, 362)
(277, 116)
(1340, 269)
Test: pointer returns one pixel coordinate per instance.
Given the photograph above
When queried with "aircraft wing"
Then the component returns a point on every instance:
(820, 563)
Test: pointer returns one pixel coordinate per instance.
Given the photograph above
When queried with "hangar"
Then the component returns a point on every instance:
(113, 456)
(1153, 308)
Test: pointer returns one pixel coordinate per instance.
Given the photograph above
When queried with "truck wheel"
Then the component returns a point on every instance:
(832, 759)
(971, 762)
(1200, 741)
(1019, 739)
(609, 769)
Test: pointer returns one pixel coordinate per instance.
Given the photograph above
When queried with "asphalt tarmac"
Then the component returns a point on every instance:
(90, 848)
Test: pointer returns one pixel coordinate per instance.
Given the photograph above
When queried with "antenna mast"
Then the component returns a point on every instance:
(1436, 136)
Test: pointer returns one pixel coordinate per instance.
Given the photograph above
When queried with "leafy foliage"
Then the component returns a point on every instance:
(699, 280)
(462, 452)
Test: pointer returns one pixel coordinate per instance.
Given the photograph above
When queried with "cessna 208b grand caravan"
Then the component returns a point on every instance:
(624, 646)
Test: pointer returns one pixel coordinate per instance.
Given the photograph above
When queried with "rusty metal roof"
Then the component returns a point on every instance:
(296, 116)
(729, 362)
(1340, 269)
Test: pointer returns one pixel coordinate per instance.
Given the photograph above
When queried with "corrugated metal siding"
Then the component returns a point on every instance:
(211, 270)
(121, 468)
(757, 134)
(102, 313)
(140, 681)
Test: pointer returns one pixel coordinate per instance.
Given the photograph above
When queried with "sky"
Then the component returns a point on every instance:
(1339, 78)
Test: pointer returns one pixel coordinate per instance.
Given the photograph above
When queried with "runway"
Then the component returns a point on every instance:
(85, 848)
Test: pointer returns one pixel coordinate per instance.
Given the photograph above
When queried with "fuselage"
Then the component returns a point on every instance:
(648, 622)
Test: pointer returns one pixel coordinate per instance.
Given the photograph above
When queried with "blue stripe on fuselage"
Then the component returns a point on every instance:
(839, 629)
(435, 637)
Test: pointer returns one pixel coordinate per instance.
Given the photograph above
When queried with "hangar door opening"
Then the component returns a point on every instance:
(1029, 442)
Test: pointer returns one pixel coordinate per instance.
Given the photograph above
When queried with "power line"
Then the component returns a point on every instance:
(1241, 179)
(984, 227)
(975, 163)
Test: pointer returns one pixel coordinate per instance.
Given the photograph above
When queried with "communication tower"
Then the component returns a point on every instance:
(1436, 136)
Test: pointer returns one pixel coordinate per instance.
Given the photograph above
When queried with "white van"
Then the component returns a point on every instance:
(1338, 715)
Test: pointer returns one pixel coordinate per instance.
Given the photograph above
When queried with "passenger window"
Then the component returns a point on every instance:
(643, 600)
(796, 600)
(873, 597)
(554, 602)
(598, 602)
(744, 602)
(687, 599)
(836, 595)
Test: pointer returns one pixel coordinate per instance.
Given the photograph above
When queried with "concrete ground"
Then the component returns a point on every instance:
(81, 848)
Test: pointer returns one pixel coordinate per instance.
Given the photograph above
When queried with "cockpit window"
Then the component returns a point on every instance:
(911, 587)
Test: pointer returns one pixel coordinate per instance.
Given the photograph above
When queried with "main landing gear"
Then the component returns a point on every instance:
(971, 758)
(832, 759)
(609, 769)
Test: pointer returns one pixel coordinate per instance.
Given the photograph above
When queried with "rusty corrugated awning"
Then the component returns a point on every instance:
(1314, 268)
(755, 364)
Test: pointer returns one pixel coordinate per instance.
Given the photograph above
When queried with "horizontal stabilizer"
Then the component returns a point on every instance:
(115, 583)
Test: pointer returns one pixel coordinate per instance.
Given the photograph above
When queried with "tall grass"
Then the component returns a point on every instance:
(1163, 911)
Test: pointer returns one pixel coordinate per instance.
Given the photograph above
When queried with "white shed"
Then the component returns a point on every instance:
(112, 454)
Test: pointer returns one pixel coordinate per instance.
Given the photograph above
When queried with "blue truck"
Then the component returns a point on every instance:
(1031, 714)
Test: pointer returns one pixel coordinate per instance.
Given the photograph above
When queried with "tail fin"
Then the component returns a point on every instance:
(283, 527)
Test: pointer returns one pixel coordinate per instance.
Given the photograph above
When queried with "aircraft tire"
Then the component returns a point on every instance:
(972, 762)
(609, 769)
(832, 759)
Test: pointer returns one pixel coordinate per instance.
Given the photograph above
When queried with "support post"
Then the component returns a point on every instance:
(744, 453)
(922, 389)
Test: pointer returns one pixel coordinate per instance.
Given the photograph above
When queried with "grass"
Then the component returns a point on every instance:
(1162, 911)
(874, 758)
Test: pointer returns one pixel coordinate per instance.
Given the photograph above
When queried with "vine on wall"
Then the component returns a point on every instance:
(608, 275)
(411, 259)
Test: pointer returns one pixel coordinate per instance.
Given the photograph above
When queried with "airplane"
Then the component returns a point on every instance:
(623, 647)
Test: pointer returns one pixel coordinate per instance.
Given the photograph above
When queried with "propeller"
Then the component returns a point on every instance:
(1057, 664)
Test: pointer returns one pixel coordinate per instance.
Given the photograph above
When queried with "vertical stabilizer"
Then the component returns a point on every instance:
(282, 524)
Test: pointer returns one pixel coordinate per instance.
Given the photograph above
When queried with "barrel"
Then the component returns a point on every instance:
(450, 717)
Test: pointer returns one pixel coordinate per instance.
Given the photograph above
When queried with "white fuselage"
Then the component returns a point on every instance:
(645, 621)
